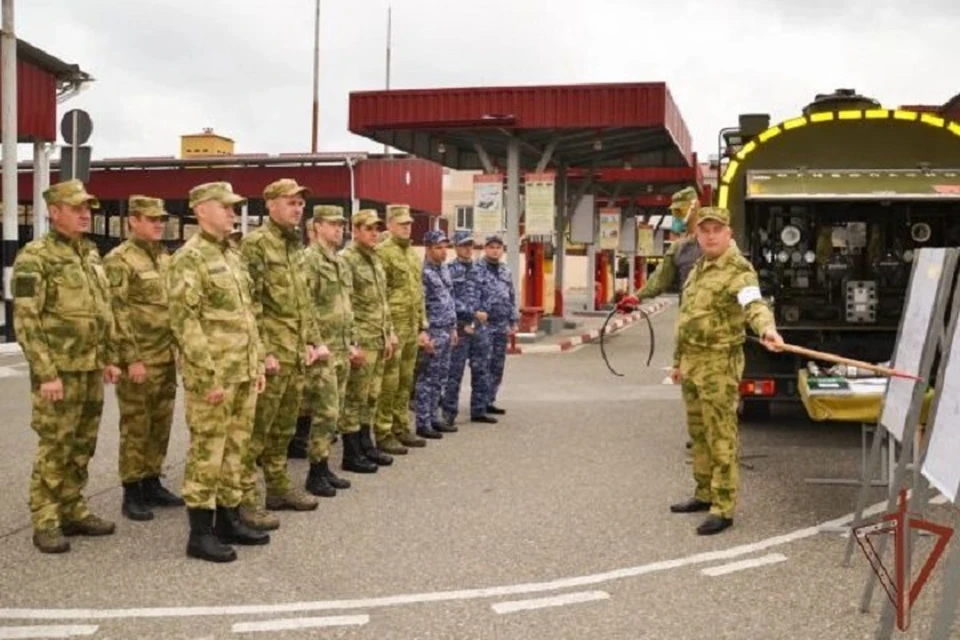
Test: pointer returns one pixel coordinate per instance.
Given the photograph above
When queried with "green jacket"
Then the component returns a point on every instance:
(275, 260)
(373, 325)
(211, 315)
(404, 271)
(329, 283)
(137, 272)
(720, 298)
(61, 308)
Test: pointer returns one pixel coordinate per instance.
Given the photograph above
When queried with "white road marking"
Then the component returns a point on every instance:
(439, 596)
(667, 380)
(742, 565)
(555, 601)
(285, 624)
(49, 631)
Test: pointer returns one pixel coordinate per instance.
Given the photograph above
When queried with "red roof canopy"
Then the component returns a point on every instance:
(604, 125)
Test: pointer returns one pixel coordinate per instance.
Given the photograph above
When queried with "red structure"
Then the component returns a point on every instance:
(615, 129)
(372, 181)
(41, 78)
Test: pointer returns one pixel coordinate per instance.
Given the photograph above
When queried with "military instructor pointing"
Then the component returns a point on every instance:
(720, 298)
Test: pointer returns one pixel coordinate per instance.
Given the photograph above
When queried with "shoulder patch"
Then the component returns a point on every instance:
(25, 285)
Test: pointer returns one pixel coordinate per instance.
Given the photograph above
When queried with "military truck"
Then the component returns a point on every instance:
(830, 207)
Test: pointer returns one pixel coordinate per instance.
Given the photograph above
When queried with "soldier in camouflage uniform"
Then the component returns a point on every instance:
(213, 324)
(137, 272)
(328, 282)
(405, 290)
(471, 303)
(442, 319)
(497, 283)
(374, 336)
(722, 296)
(274, 256)
(63, 324)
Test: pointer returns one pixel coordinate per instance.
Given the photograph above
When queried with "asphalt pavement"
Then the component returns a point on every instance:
(552, 523)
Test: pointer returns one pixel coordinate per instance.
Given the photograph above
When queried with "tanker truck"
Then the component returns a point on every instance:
(830, 207)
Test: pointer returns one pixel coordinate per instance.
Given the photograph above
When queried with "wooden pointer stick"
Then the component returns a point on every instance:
(829, 357)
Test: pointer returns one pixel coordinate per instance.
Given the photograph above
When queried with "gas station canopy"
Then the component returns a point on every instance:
(613, 125)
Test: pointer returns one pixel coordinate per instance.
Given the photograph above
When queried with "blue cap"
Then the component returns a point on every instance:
(463, 237)
(434, 237)
(494, 238)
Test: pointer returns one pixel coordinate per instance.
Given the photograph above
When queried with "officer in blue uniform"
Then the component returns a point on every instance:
(502, 314)
(471, 304)
(442, 329)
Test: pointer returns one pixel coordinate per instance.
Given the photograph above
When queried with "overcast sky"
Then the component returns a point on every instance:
(244, 67)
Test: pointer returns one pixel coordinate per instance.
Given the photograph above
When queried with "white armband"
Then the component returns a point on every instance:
(747, 295)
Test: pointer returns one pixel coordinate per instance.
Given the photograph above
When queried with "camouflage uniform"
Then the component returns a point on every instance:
(673, 270)
(329, 284)
(469, 297)
(721, 296)
(442, 318)
(137, 273)
(275, 260)
(63, 324)
(213, 324)
(405, 292)
(373, 328)
(497, 283)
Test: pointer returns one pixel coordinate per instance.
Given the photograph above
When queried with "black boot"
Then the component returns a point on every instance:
(370, 451)
(335, 481)
(202, 543)
(690, 506)
(353, 458)
(133, 505)
(230, 528)
(156, 495)
(495, 410)
(297, 449)
(318, 484)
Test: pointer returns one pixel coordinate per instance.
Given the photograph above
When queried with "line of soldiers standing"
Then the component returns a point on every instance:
(255, 328)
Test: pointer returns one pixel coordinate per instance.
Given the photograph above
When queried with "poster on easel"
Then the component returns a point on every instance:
(540, 203)
(609, 229)
(487, 203)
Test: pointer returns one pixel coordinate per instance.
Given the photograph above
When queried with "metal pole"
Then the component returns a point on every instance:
(8, 53)
(386, 149)
(314, 135)
(41, 180)
(513, 211)
(560, 246)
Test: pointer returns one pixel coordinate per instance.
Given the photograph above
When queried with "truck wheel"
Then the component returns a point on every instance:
(754, 411)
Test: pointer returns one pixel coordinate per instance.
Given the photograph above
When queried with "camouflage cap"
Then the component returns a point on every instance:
(718, 214)
(329, 212)
(463, 237)
(431, 238)
(219, 191)
(283, 188)
(69, 192)
(681, 199)
(146, 206)
(399, 213)
(365, 217)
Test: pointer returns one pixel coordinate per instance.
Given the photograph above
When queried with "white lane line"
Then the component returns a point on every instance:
(48, 631)
(706, 557)
(742, 565)
(555, 601)
(285, 624)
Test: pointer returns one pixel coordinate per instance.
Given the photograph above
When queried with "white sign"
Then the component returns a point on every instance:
(488, 203)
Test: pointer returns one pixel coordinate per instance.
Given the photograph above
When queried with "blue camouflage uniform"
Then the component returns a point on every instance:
(501, 297)
(442, 321)
(469, 296)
